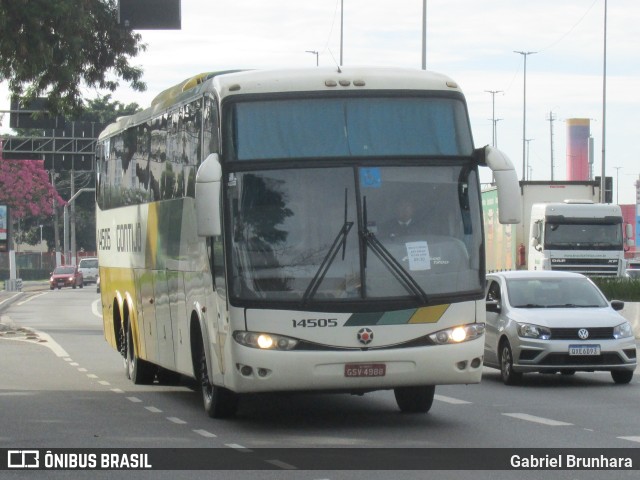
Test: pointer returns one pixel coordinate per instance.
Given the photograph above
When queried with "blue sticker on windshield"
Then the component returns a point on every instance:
(370, 178)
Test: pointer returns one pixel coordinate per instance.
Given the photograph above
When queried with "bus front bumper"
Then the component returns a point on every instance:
(257, 370)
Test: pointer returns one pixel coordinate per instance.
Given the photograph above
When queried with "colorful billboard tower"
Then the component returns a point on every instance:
(578, 148)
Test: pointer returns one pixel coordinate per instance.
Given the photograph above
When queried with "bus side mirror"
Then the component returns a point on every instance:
(509, 202)
(208, 181)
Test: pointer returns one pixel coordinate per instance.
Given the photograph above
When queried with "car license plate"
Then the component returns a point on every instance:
(582, 350)
(365, 370)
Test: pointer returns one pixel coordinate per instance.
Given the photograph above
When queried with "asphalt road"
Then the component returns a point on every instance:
(62, 386)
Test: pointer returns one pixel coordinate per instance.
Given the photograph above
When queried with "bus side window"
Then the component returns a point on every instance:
(216, 257)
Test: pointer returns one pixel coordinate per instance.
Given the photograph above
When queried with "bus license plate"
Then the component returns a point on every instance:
(582, 350)
(365, 370)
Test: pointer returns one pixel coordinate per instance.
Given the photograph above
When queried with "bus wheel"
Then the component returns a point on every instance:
(218, 402)
(139, 371)
(415, 399)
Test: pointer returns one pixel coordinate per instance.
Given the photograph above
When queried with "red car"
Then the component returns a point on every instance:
(66, 276)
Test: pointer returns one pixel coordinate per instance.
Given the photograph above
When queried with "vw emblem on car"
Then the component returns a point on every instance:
(365, 336)
(583, 333)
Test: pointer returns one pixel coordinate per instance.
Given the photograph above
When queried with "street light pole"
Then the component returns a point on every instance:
(604, 107)
(617, 184)
(494, 140)
(40, 246)
(424, 34)
(341, 28)
(524, 111)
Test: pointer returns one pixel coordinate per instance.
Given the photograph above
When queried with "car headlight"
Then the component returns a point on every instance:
(264, 341)
(462, 333)
(623, 330)
(529, 330)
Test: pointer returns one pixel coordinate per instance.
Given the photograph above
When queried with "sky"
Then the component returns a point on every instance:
(471, 41)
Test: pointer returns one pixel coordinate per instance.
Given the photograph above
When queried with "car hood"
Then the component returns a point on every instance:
(568, 317)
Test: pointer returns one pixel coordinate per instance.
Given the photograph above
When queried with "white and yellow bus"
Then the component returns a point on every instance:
(248, 238)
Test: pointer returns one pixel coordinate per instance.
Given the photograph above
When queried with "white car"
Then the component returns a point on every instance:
(546, 321)
(89, 268)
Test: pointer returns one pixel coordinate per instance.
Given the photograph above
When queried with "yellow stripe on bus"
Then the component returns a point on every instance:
(429, 314)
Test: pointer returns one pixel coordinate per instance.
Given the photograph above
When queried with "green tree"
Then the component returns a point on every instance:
(55, 47)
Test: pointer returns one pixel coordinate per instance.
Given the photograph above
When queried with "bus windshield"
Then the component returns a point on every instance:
(350, 127)
(355, 234)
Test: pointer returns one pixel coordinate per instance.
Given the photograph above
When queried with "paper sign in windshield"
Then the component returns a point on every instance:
(418, 255)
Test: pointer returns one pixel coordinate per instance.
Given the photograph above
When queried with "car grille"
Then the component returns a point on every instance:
(566, 359)
(598, 267)
(600, 333)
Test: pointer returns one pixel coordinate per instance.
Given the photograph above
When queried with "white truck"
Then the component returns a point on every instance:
(562, 229)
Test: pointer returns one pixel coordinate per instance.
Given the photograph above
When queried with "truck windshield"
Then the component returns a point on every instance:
(352, 234)
(583, 236)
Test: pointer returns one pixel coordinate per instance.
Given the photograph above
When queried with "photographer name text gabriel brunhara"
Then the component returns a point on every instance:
(570, 461)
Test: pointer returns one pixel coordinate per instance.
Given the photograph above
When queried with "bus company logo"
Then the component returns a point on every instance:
(365, 336)
(23, 459)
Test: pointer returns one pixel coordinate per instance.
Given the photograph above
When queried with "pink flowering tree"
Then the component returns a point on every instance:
(25, 188)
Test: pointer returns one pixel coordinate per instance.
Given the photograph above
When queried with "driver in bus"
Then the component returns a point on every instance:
(404, 222)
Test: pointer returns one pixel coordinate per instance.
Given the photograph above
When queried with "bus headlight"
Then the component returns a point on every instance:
(264, 341)
(462, 333)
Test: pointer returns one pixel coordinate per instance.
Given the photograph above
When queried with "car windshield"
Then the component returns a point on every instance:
(554, 293)
(89, 263)
(63, 271)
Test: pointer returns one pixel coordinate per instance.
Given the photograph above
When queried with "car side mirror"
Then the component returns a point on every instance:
(493, 306)
(617, 305)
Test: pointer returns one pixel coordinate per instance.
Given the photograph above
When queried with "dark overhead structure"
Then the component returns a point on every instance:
(150, 14)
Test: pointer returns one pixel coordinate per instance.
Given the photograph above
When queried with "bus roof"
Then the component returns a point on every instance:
(235, 82)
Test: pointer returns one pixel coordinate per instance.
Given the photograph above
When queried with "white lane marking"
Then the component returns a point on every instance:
(82, 369)
(92, 375)
(631, 439)
(176, 420)
(95, 308)
(134, 399)
(68, 359)
(31, 298)
(74, 364)
(51, 344)
(13, 296)
(153, 409)
(240, 448)
(117, 390)
(103, 382)
(451, 400)
(533, 418)
(282, 465)
(206, 434)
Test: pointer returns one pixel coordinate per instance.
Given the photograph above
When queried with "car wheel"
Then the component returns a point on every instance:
(509, 377)
(51, 287)
(621, 377)
(74, 285)
(218, 402)
(415, 399)
(81, 284)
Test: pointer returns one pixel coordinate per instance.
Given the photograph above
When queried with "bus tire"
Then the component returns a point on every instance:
(138, 371)
(415, 399)
(219, 402)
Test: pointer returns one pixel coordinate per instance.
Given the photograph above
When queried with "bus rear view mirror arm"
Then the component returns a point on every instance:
(208, 181)
(506, 179)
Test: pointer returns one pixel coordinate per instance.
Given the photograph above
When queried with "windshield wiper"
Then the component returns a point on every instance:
(530, 305)
(340, 241)
(395, 267)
